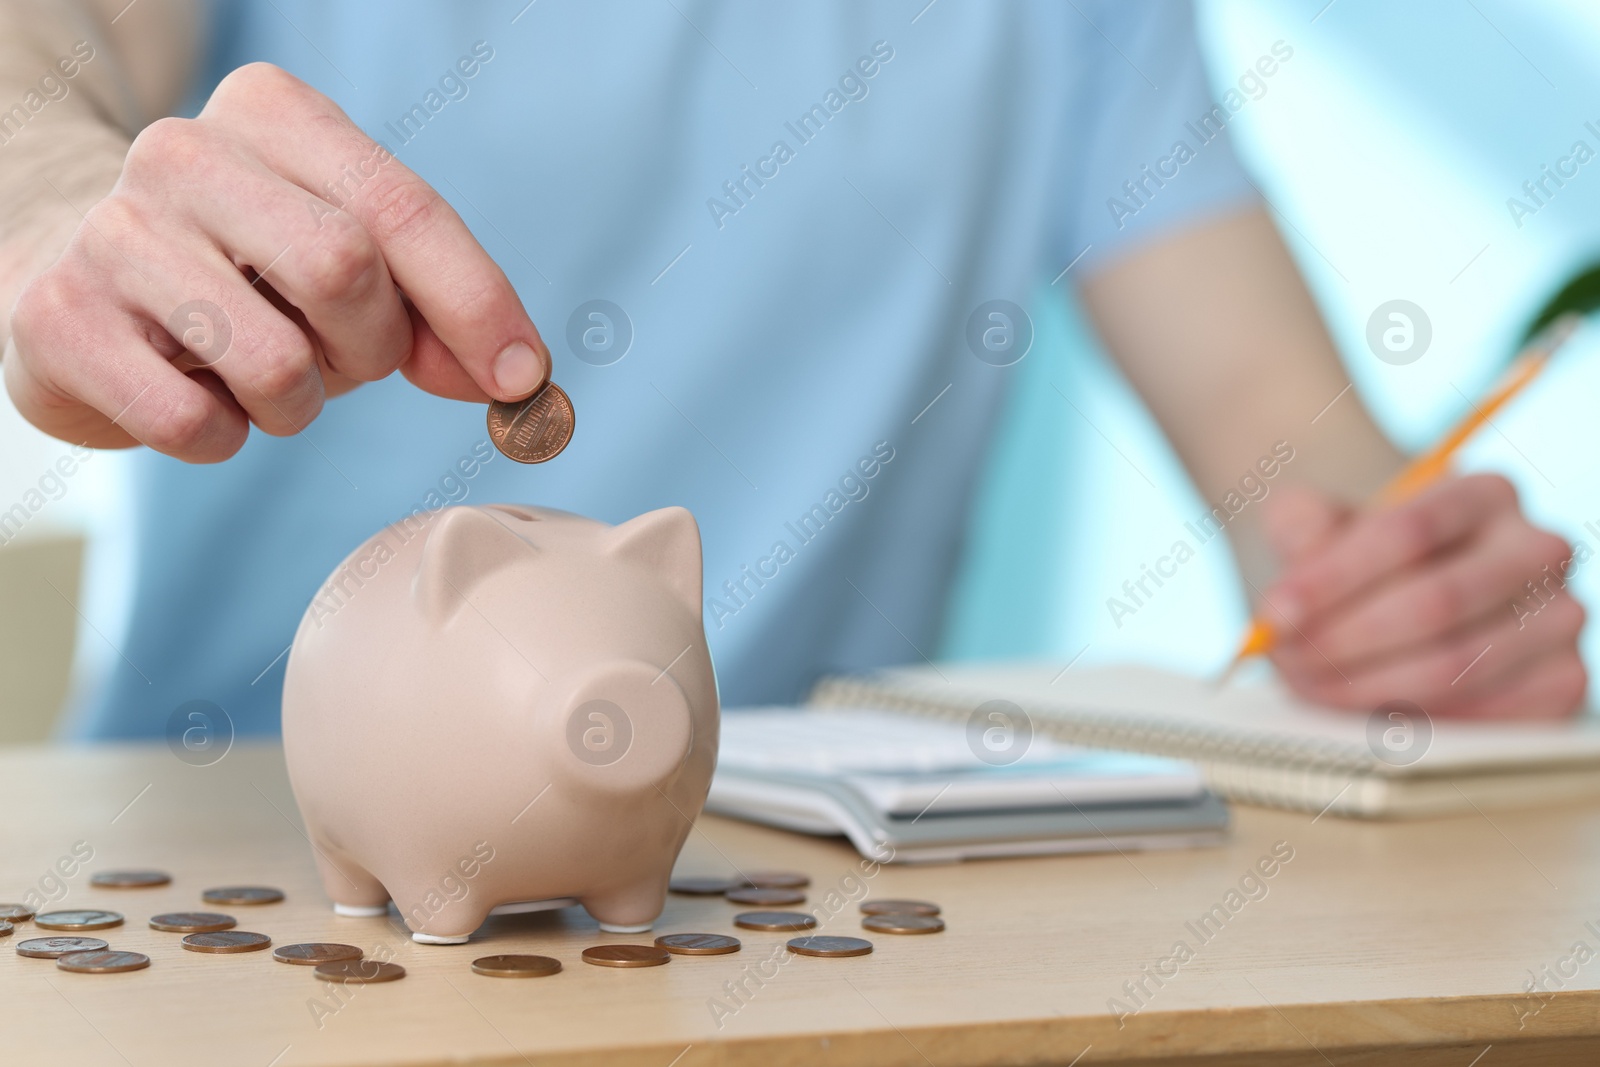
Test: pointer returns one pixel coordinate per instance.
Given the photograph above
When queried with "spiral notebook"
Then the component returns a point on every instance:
(1255, 743)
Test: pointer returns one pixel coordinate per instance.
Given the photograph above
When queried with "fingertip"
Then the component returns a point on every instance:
(1286, 605)
(519, 370)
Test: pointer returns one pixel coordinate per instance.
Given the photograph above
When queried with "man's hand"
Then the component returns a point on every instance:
(233, 209)
(1425, 601)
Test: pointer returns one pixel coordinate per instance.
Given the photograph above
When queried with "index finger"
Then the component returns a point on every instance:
(431, 254)
(1376, 545)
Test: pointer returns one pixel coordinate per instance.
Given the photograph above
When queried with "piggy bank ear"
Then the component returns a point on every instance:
(666, 541)
(464, 547)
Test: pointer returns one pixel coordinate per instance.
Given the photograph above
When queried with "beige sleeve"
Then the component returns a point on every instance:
(78, 79)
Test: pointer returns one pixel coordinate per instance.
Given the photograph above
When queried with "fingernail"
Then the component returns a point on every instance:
(518, 371)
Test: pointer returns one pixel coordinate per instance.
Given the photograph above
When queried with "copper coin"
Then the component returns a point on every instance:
(85, 919)
(766, 898)
(776, 879)
(15, 913)
(226, 941)
(774, 920)
(130, 879)
(359, 972)
(896, 923)
(51, 948)
(535, 429)
(516, 966)
(6, 928)
(898, 907)
(823, 945)
(192, 922)
(626, 956)
(698, 944)
(242, 894)
(313, 953)
(102, 961)
(703, 887)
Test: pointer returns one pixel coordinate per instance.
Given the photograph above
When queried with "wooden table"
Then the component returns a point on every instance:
(1376, 943)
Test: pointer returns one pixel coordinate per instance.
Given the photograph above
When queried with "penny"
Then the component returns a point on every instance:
(516, 966)
(359, 972)
(626, 956)
(50, 948)
(314, 953)
(130, 879)
(703, 887)
(192, 922)
(776, 879)
(6, 929)
(535, 429)
(774, 920)
(698, 944)
(102, 961)
(226, 941)
(900, 923)
(898, 907)
(766, 898)
(86, 919)
(15, 913)
(242, 894)
(824, 945)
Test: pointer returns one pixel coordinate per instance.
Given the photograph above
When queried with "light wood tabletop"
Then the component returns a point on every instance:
(1367, 943)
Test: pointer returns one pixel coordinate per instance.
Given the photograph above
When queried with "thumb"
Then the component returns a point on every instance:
(1298, 519)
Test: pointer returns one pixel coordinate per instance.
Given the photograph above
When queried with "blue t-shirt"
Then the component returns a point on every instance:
(777, 251)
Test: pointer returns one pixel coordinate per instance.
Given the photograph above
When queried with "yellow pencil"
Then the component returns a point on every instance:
(1431, 465)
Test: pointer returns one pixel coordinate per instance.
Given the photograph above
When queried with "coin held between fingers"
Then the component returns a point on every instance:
(532, 430)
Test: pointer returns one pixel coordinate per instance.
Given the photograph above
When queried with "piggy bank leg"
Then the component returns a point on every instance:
(352, 889)
(434, 920)
(632, 909)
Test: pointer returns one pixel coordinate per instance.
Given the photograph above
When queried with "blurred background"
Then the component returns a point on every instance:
(1388, 146)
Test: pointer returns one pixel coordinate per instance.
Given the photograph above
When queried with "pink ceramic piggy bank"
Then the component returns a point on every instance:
(504, 709)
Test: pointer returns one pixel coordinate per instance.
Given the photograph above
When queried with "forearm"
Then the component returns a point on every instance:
(76, 82)
(1217, 331)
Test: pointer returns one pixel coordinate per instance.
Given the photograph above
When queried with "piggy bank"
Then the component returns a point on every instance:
(500, 708)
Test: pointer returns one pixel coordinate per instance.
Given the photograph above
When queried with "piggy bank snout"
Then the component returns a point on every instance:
(625, 727)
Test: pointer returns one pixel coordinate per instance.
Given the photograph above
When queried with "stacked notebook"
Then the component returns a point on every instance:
(1257, 744)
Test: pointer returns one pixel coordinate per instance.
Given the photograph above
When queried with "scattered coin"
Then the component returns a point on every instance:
(85, 919)
(18, 913)
(101, 961)
(824, 945)
(535, 429)
(6, 929)
(766, 898)
(776, 879)
(899, 923)
(50, 948)
(130, 879)
(774, 920)
(242, 894)
(898, 907)
(314, 953)
(703, 887)
(226, 941)
(192, 922)
(359, 972)
(516, 966)
(698, 944)
(626, 956)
